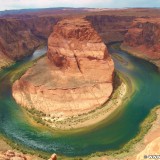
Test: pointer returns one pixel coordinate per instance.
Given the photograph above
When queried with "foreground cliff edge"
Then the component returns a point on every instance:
(74, 79)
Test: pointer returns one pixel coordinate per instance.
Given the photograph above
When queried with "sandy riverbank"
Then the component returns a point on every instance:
(88, 119)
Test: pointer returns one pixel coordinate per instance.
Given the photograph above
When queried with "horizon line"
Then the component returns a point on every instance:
(79, 8)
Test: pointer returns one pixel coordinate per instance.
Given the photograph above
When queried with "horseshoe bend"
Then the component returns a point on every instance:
(75, 83)
(75, 77)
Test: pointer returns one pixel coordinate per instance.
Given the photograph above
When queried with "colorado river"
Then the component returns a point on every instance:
(110, 134)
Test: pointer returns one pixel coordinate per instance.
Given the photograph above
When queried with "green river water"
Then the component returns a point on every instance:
(111, 134)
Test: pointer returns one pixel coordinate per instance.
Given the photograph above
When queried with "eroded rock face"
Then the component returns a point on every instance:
(111, 28)
(21, 32)
(20, 36)
(143, 38)
(75, 78)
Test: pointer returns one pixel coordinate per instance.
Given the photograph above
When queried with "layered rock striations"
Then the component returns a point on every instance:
(75, 77)
(19, 37)
(111, 28)
(143, 39)
(22, 31)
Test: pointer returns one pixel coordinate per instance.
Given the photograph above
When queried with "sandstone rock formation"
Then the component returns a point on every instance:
(20, 36)
(53, 157)
(22, 31)
(111, 28)
(76, 78)
(142, 39)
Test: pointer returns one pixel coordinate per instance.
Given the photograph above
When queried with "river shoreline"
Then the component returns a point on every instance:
(118, 97)
(114, 103)
(88, 119)
(130, 145)
(138, 54)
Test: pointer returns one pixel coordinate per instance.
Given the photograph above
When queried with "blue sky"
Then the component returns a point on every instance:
(22, 4)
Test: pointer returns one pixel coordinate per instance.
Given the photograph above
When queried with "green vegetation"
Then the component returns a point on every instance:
(17, 74)
(20, 71)
(144, 128)
(36, 115)
(39, 116)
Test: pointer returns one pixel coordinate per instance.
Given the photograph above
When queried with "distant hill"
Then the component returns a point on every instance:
(25, 11)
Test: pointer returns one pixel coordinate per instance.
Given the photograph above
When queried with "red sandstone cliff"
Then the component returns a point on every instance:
(75, 78)
(19, 37)
(22, 31)
(111, 28)
(142, 39)
(21, 34)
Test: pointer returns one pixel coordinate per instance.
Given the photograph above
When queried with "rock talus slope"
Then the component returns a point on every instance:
(75, 77)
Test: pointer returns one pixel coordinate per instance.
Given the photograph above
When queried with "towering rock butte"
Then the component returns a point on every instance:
(143, 39)
(75, 77)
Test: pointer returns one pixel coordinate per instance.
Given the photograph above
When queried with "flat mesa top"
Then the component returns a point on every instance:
(150, 20)
(76, 22)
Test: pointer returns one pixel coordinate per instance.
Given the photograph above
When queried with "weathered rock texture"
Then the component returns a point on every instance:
(111, 28)
(143, 39)
(22, 31)
(19, 37)
(75, 78)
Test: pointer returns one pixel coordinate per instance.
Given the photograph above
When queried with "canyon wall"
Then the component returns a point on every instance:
(76, 78)
(23, 31)
(143, 39)
(111, 28)
(19, 37)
